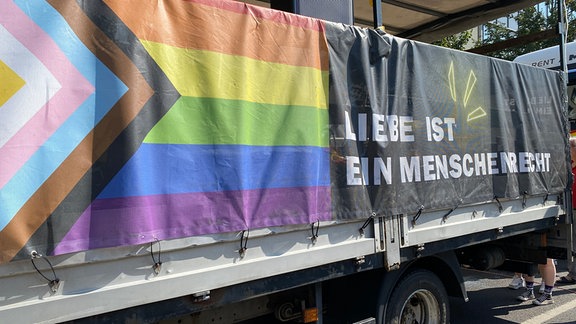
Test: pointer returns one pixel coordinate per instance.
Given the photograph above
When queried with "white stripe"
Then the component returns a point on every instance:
(551, 313)
(40, 86)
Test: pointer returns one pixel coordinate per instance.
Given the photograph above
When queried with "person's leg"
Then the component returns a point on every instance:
(529, 292)
(548, 272)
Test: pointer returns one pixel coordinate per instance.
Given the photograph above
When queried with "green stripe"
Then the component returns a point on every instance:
(220, 121)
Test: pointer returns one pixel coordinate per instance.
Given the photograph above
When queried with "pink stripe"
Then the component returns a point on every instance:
(75, 89)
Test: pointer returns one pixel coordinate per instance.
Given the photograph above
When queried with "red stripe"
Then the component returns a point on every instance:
(265, 13)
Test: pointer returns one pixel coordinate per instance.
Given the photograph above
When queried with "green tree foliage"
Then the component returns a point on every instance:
(457, 41)
(530, 21)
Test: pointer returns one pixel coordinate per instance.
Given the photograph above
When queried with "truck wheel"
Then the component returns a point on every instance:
(418, 298)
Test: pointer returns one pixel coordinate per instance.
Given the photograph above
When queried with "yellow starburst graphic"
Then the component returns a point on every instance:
(476, 113)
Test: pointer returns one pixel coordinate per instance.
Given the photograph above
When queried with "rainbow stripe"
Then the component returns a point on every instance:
(245, 145)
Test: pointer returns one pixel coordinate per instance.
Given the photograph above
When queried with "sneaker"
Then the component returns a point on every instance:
(527, 295)
(543, 299)
(517, 283)
(542, 286)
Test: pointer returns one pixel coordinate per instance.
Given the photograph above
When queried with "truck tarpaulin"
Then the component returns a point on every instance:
(126, 122)
(418, 126)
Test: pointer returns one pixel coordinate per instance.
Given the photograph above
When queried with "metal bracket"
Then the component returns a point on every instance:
(419, 249)
(359, 261)
(201, 296)
(392, 242)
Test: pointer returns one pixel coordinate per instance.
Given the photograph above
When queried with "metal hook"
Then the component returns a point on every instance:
(371, 218)
(524, 197)
(415, 218)
(243, 242)
(499, 204)
(157, 264)
(445, 217)
(52, 283)
(314, 236)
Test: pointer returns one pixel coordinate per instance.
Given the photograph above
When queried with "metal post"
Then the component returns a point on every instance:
(562, 33)
(571, 237)
(377, 13)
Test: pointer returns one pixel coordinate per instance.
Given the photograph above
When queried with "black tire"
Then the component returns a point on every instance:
(418, 298)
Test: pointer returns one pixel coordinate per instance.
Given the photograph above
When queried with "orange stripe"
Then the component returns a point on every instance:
(51, 194)
(250, 32)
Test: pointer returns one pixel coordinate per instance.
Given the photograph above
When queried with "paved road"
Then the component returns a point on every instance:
(492, 302)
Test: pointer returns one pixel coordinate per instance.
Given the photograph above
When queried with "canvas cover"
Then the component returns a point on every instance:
(125, 122)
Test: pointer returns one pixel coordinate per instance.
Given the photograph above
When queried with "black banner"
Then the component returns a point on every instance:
(415, 125)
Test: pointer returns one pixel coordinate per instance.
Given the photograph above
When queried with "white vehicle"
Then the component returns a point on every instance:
(549, 58)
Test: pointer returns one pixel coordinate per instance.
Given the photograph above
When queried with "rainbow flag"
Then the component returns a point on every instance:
(158, 120)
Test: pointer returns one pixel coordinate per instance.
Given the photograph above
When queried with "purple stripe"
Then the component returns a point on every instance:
(136, 220)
